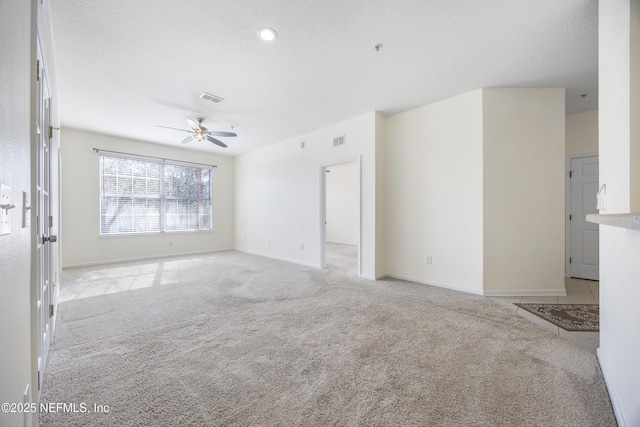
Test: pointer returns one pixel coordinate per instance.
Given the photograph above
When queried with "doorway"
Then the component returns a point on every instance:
(583, 237)
(340, 229)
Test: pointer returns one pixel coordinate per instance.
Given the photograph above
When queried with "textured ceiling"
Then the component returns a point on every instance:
(124, 66)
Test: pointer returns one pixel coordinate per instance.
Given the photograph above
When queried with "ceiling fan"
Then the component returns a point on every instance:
(200, 133)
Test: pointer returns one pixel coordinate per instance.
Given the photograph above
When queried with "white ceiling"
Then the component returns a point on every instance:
(124, 66)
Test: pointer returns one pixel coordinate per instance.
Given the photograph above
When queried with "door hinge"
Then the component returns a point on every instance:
(37, 70)
(50, 310)
(51, 129)
(570, 260)
(50, 221)
(570, 174)
(570, 217)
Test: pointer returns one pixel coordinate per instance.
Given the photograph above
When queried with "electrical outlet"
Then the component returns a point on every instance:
(429, 259)
(302, 246)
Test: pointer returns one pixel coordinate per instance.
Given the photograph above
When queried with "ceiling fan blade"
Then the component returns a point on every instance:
(194, 125)
(188, 139)
(215, 141)
(220, 133)
(167, 127)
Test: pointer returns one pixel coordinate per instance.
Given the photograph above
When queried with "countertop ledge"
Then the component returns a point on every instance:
(626, 220)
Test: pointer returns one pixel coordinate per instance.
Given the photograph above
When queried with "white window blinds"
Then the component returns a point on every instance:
(138, 196)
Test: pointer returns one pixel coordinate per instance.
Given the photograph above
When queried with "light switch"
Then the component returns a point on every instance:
(5, 209)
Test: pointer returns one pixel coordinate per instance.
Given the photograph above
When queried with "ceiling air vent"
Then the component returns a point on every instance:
(339, 140)
(208, 97)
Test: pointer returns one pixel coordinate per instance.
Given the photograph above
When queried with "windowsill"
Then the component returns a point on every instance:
(627, 220)
(160, 233)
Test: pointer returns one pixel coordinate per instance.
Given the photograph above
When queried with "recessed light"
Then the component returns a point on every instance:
(267, 34)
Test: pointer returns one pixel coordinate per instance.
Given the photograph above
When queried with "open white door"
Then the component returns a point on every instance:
(584, 237)
(45, 297)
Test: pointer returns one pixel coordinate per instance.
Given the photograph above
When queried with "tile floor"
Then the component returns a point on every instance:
(105, 279)
(83, 282)
(578, 292)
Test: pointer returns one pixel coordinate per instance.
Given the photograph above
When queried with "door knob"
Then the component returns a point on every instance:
(50, 239)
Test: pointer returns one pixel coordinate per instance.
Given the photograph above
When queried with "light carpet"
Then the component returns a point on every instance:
(245, 341)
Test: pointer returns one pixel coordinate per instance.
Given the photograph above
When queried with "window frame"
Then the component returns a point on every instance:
(162, 197)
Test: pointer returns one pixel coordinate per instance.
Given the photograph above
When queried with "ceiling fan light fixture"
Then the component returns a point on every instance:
(200, 134)
(267, 34)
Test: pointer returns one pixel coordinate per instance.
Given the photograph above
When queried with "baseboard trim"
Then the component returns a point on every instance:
(617, 410)
(144, 258)
(526, 293)
(289, 260)
(372, 278)
(342, 243)
(433, 283)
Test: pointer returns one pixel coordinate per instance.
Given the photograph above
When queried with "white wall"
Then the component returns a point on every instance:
(524, 162)
(278, 193)
(343, 202)
(82, 243)
(477, 183)
(434, 190)
(634, 105)
(619, 350)
(581, 133)
(15, 278)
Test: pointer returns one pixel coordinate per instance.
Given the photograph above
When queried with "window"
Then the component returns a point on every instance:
(138, 196)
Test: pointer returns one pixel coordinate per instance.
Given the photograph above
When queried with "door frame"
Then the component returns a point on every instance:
(567, 209)
(322, 261)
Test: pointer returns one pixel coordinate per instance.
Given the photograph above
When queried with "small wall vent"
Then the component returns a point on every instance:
(339, 140)
(208, 97)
